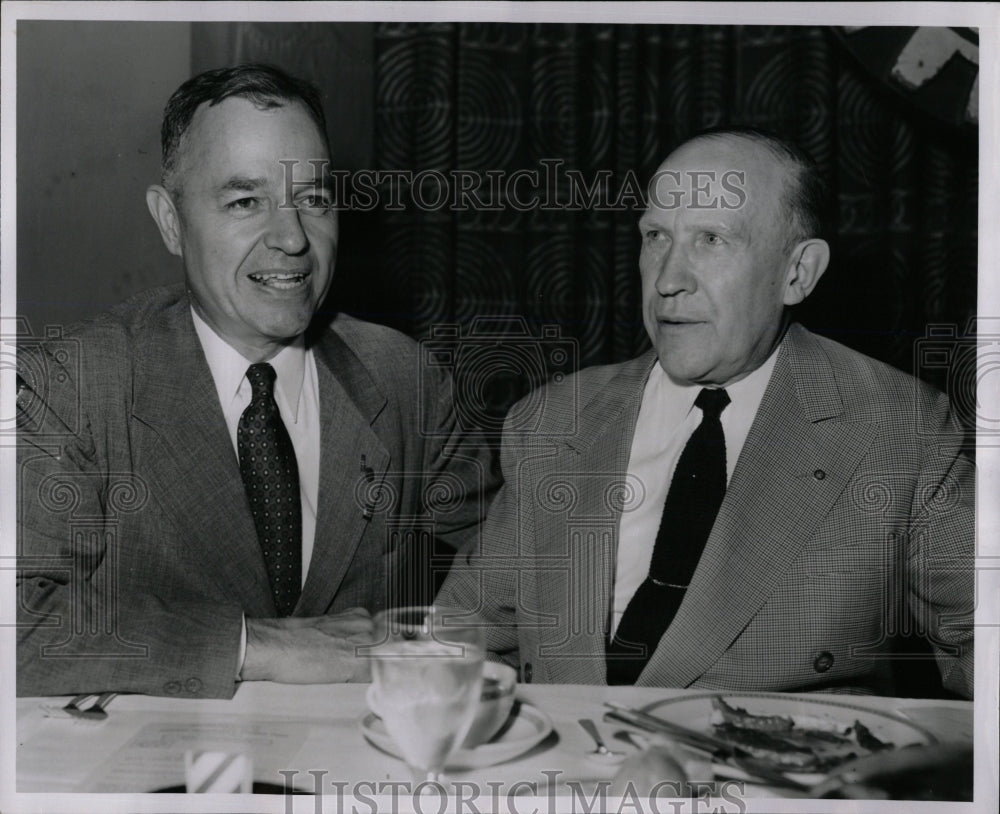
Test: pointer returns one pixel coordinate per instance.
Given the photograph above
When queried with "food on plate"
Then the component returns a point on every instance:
(796, 743)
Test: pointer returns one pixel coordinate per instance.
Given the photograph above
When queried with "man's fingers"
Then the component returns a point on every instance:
(362, 671)
(346, 624)
(305, 650)
(359, 610)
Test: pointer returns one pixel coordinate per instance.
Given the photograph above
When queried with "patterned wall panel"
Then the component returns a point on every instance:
(618, 98)
(502, 98)
(338, 57)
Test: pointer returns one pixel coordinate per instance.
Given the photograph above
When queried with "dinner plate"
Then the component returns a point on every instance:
(695, 712)
(527, 727)
(259, 787)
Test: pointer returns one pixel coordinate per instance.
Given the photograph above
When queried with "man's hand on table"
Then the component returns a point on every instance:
(315, 650)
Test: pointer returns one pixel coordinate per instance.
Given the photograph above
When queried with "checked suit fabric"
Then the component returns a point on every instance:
(271, 479)
(696, 492)
(796, 564)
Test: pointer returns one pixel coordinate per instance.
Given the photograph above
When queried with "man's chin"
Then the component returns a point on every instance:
(286, 318)
(686, 372)
(683, 362)
(288, 334)
(285, 329)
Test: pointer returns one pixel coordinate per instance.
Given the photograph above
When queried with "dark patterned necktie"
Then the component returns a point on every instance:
(271, 478)
(696, 492)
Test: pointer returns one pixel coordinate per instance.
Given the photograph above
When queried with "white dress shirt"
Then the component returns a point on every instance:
(297, 394)
(667, 418)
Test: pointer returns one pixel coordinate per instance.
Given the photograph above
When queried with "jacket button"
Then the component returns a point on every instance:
(527, 672)
(193, 685)
(819, 474)
(172, 687)
(823, 662)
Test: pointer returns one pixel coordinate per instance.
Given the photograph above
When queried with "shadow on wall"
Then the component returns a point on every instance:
(88, 145)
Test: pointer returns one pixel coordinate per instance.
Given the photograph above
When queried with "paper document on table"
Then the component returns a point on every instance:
(154, 758)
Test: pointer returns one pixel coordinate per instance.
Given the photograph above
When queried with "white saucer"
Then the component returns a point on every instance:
(526, 727)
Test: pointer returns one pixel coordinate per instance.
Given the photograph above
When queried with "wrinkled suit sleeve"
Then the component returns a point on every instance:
(485, 575)
(940, 560)
(78, 630)
(462, 471)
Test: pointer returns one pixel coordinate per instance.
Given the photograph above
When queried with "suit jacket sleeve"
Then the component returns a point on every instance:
(80, 628)
(485, 575)
(459, 464)
(941, 552)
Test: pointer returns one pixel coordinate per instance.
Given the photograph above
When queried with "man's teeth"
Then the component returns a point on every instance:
(279, 280)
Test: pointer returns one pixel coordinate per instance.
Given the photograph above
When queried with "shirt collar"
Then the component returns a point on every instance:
(229, 367)
(748, 390)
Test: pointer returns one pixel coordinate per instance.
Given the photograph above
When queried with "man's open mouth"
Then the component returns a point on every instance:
(276, 279)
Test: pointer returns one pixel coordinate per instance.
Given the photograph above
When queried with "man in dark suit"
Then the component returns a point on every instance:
(747, 506)
(211, 487)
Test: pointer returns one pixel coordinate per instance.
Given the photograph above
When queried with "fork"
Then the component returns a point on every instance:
(602, 752)
(95, 712)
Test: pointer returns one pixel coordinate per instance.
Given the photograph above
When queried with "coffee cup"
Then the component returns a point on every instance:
(495, 703)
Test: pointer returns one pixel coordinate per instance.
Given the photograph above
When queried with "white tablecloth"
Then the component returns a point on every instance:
(311, 734)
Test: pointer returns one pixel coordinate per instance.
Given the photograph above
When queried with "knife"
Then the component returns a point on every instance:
(653, 723)
(717, 748)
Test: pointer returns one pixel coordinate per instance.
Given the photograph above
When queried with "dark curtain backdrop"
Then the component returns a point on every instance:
(618, 98)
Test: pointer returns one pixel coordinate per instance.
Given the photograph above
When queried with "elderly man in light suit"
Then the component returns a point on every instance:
(747, 506)
(212, 486)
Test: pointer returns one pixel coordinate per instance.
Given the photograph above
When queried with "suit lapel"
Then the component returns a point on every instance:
(353, 464)
(774, 502)
(189, 459)
(581, 542)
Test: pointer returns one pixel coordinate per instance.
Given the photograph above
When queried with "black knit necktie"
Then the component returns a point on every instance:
(271, 478)
(696, 492)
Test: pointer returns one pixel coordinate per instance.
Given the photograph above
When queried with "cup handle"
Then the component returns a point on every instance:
(371, 696)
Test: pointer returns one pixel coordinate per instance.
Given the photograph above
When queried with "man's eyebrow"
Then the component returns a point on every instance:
(240, 184)
(731, 227)
(710, 224)
(324, 178)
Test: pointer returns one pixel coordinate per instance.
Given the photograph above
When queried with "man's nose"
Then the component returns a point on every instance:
(285, 232)
(674, 273)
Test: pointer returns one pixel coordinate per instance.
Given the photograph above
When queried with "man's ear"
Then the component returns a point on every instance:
(807, 262)
(164, 211)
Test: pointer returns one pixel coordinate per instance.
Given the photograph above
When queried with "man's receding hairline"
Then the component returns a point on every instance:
(181, 151)
(792, 170)
(760, 142)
